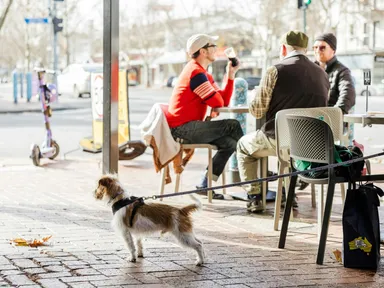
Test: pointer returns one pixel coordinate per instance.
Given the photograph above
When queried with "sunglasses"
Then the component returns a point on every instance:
(209, 45)
(321, 48)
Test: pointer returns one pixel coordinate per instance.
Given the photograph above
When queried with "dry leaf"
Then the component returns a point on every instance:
(337, 254)
(30, 243)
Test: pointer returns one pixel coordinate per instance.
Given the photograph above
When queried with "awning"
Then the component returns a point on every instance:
(173, 57)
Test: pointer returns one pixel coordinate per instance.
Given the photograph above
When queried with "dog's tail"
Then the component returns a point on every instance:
(191, 208)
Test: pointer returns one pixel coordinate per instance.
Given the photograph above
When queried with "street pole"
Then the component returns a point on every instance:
(305, 18)
(111, 86)
(54, 46)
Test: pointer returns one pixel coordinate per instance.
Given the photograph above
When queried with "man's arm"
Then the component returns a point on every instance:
(347, 93)
(263, 94)
(211, 93)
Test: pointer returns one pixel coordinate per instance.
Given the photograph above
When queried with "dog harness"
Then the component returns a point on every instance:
(135, 201)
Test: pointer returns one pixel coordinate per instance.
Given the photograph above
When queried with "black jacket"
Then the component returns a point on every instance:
(342, 91)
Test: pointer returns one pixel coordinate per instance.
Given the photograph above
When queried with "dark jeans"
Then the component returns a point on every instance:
(222, 133)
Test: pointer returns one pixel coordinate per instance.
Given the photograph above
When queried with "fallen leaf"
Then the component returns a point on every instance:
(337, 254)
(30, 243)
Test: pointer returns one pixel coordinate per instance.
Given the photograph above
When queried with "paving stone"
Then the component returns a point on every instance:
(25, 263)
(81, 285)
(54, 275)
(87, 271)
(83, 278)
(145, 278)
(7, 267)
(51, 283)
(34, 270)
(3, 260)
(11, 272)
(19, 280)
(56, 268)
(116, 281)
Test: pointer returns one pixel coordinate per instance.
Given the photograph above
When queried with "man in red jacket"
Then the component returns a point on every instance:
(194, 92)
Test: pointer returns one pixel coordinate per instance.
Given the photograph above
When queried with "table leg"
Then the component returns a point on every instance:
(263, 174)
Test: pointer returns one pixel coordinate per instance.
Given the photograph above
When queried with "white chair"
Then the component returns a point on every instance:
(333, 116)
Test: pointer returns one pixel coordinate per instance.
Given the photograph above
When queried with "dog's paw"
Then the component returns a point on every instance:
(132, 259)
(199, 263)
(140, 255)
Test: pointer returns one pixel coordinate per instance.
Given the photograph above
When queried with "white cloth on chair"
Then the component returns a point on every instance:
(156, 133)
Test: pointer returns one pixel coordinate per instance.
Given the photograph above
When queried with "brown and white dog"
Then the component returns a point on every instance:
(139, 219)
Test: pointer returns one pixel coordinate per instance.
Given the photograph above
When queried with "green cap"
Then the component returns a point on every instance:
(295, 38)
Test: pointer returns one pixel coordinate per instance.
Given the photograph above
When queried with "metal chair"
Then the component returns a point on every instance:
(333, 116)
(311, 140)
(209, 174)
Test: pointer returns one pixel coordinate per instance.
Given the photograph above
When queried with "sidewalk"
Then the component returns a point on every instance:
(241, 249)
(64, 103)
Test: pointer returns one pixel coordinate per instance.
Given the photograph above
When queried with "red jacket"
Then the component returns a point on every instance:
(194, 92)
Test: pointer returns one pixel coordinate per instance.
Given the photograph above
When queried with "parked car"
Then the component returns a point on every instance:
(252, 82)
(75, 80)
(168, 82)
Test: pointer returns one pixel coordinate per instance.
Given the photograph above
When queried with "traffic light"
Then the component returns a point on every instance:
(303, 3)
(57, 24)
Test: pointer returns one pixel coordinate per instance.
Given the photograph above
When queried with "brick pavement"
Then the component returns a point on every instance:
(241, 249)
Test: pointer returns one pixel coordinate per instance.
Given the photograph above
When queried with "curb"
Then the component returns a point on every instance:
(38, 110)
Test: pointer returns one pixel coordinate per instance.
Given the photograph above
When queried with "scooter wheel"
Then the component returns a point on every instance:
(36, 156)
(57, 149)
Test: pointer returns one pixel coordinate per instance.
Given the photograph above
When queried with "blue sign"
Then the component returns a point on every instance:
(36, 20)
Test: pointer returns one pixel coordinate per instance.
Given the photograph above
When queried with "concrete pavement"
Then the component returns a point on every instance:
(64, 103)
(241, 249)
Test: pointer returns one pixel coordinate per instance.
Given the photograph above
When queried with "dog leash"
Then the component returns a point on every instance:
(267, 179)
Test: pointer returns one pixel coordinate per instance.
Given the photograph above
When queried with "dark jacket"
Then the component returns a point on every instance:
(342, 91)
(300, 84)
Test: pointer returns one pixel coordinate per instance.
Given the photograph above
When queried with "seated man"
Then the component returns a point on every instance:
(194, 92)
(295, 82)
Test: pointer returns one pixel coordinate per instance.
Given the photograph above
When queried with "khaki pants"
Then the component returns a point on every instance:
(250, 148)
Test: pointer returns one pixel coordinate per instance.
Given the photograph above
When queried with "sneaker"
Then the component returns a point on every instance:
(301, 185)
(284, 199)
(203, 185)
(255, 204)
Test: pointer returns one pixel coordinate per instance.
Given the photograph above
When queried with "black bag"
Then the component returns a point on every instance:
(361, 227)
(341, 154)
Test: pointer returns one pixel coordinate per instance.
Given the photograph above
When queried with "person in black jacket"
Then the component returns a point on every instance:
(342, 91)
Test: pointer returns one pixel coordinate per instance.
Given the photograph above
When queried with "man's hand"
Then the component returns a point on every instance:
(232, 70)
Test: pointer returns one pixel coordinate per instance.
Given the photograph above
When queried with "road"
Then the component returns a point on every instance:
(18, 131)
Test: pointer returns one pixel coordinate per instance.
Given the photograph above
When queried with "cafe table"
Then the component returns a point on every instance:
(263, 164)
(368, 119)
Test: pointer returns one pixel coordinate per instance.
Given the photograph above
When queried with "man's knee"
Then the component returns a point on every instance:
(233, 125)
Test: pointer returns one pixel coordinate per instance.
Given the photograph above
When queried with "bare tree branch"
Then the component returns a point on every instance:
(5, 13)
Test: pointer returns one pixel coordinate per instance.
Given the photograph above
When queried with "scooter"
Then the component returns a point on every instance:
(47, 94)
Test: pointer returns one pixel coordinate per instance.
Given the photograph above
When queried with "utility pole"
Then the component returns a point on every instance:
(110, 86)
(54, 44)
(303, 5)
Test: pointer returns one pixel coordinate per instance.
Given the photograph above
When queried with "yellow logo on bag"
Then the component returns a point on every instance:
(360, 243)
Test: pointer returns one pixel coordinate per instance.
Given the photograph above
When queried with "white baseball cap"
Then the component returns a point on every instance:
(198, 41)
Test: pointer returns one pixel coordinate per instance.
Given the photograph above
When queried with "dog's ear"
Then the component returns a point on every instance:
(106, 182)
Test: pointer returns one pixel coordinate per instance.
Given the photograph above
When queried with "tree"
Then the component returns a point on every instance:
(5, 13)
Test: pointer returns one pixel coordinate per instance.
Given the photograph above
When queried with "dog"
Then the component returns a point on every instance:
(133, 216)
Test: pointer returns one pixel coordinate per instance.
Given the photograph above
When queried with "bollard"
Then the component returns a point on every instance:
(14, 77)
(28, 77)
(21, 84)
(238, 99)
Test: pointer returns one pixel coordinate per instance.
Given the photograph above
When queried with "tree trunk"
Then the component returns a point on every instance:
(2, 18)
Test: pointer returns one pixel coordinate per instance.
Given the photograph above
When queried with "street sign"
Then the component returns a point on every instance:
(36, 20)
(367, 77)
